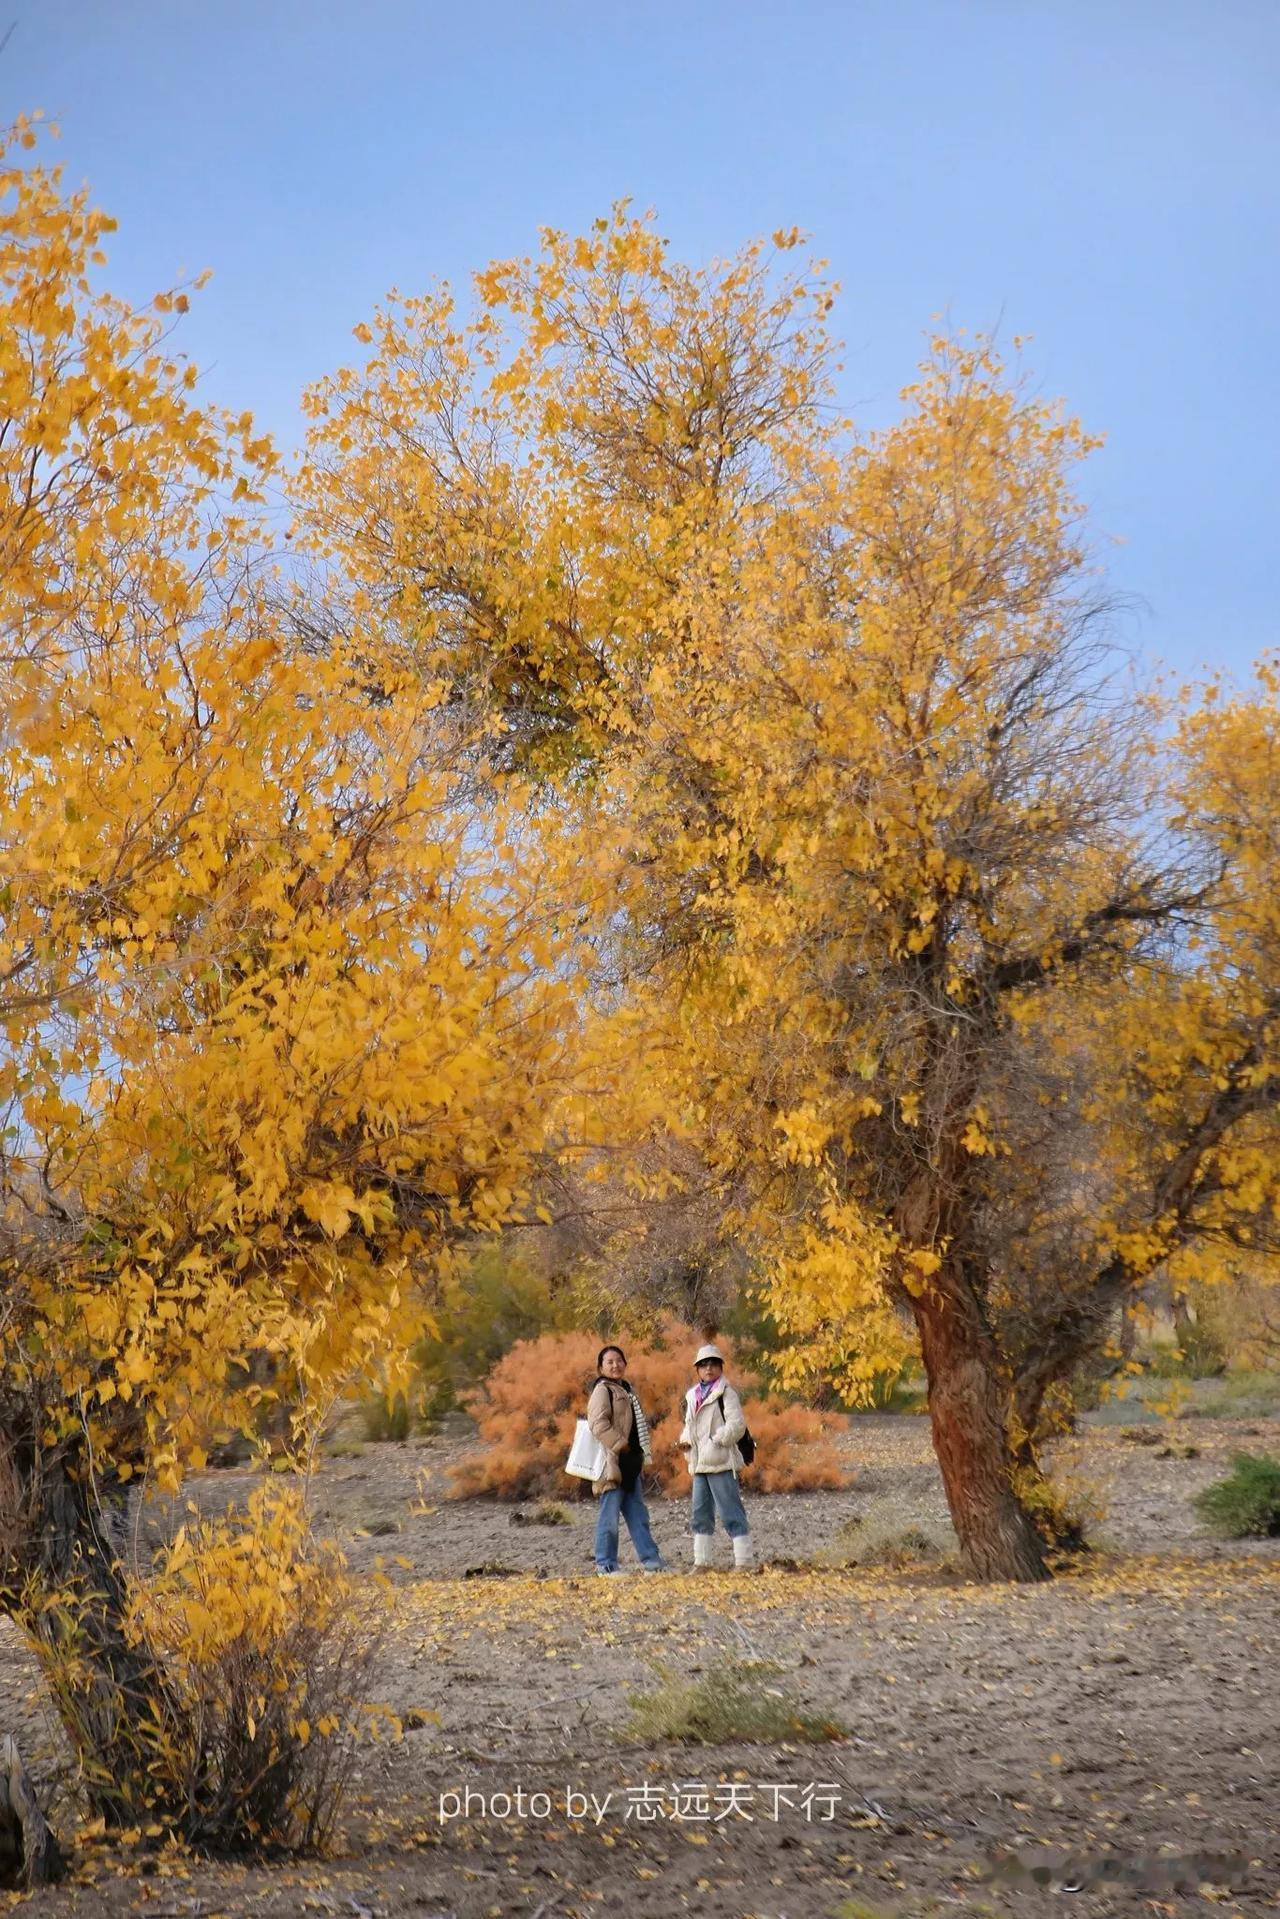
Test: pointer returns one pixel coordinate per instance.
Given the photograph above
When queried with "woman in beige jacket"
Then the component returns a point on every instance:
(613, 1414)
(714, 1422)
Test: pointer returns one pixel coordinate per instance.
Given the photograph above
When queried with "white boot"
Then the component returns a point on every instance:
(744, 1552)
(702, 1549)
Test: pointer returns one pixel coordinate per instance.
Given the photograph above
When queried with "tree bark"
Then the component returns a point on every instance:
(967, 1401)
(29, 1854)
(66, 1583)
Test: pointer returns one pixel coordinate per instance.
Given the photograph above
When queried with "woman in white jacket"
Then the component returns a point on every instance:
(713, 1424)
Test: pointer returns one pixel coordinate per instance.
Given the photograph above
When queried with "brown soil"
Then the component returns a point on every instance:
(1115, 1731)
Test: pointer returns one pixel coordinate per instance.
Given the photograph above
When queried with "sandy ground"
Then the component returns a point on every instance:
(1116, 1732)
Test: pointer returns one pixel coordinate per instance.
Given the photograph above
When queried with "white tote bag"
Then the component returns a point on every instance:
(587, 1457)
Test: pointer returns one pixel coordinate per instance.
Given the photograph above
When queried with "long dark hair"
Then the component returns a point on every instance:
(625, 1384)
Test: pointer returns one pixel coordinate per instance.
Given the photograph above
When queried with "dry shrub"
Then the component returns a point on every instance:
(794, 1449)
(528, 1406)
(255, 1648)
(550, 1513)
(732, 1702)
(881, 1539)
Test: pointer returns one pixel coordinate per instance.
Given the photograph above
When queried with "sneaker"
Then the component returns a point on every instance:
(606, 1571)
(655, 1566)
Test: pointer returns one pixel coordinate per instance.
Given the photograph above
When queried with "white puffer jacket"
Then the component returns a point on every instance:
(711, 1434)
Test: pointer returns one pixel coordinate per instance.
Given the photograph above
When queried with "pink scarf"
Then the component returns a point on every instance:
(703, 1391)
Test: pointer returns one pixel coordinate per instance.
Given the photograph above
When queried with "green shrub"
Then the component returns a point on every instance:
(732, 1702)
(496, 1302)
(754, 1335)
(1246, 1504)
(381, 1419)
(1198, 1356)
(1204, 1352)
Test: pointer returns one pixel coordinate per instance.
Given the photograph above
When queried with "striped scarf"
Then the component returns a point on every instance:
(642, 1426)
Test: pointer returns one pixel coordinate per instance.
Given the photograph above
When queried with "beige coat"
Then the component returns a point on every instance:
(710, 1440)
(610, 1416)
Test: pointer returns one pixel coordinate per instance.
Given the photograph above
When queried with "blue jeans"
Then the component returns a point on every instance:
(718, 1493)
(614, 1502)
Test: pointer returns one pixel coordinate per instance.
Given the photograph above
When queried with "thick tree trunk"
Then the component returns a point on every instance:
(967, 1400)
(29, 1853)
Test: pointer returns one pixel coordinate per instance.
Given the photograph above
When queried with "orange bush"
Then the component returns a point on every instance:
(528, 1406)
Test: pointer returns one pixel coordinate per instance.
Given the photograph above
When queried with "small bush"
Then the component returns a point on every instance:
(1204, 1352)
(1198, 1355)
(734, 1701)
(1066, 1504)
(529, 1404)
(251, 1656)
(258, 1629)
(382, 1420)
(880, 1538)
(1246, 1504)
(550, 1513)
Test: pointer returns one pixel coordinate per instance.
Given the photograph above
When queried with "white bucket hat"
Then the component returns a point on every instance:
(708, 1352)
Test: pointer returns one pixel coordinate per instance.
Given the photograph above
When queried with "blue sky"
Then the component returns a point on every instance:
(1103, 177)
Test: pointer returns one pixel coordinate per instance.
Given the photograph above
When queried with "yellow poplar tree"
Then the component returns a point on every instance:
(284, 1008)
(1185, 1084)
(883, 827)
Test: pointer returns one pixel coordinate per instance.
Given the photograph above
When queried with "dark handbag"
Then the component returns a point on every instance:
(746, 1445)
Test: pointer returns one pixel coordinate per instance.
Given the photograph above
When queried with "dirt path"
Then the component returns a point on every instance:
(1123, 1719)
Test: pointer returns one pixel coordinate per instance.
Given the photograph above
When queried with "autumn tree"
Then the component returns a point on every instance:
(283, 1012)
(1182, 1051)
(887, 838)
